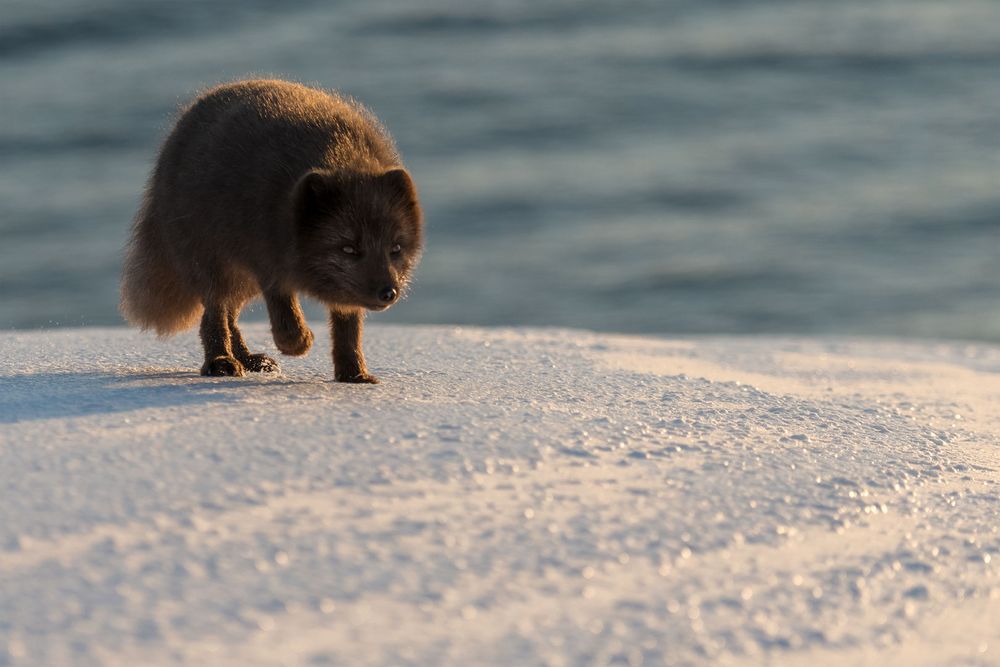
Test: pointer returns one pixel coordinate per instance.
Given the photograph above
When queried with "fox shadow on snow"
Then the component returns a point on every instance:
(32, 396)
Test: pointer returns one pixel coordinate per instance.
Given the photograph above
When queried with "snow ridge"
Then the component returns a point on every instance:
(506, 496)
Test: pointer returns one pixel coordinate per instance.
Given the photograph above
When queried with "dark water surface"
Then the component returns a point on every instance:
(659, 166)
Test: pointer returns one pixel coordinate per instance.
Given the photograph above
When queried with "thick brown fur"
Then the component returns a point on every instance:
(273, 188)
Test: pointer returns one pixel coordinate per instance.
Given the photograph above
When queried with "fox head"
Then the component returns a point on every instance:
(358, 236)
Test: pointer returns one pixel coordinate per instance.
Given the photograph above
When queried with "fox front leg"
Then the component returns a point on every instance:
(348, 359)
(288, 326)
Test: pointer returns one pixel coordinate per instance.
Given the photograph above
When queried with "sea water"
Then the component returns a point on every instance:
(663, 166)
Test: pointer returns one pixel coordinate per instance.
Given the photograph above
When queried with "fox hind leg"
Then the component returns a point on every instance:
(255, 363)
(217, 341)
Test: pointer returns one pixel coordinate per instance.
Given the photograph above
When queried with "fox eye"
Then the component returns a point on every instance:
(349, 250)
(395, 249)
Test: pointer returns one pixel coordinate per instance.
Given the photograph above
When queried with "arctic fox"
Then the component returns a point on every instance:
(273, 188)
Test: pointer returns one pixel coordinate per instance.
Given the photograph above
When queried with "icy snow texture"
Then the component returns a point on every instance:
(505, 497)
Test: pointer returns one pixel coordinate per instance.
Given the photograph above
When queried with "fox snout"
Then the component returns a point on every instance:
(382, 297)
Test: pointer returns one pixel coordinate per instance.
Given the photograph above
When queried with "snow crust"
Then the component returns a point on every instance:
(505, 497)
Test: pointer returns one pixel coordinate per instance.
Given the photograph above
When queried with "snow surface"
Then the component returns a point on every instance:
(505, 497)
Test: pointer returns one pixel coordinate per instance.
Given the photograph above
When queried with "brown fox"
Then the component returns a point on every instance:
(272, 187)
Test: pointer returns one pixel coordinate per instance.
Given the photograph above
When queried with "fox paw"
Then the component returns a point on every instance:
(223, 366)
(293, 342)
(260, 363)
(357, 378)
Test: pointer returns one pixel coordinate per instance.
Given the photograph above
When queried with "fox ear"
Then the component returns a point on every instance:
(315, 193)
(398, 182)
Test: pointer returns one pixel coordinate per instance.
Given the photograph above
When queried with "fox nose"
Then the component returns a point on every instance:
(387, 294)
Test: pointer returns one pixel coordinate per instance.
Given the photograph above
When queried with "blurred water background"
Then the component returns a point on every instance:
(665, 166)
